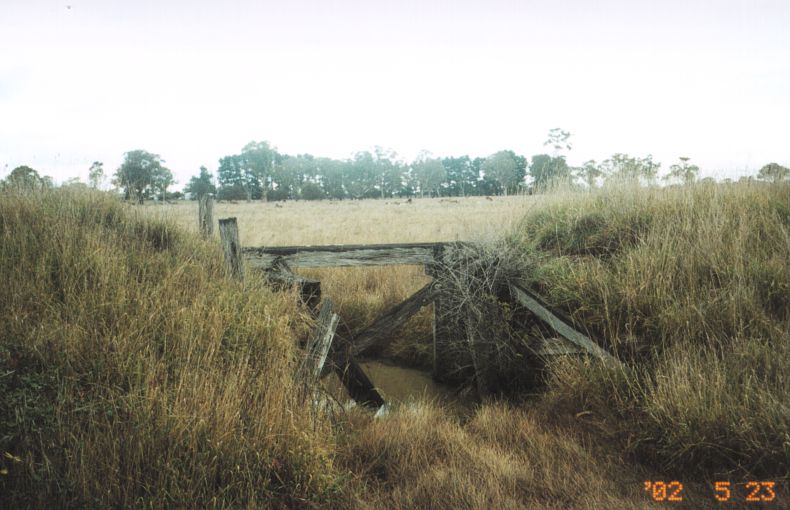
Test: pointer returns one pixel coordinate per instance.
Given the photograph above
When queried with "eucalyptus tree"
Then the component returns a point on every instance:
(136, 173)
(547, 171)
(201, 185)
(24, 178)
(361, 177)
(257, 163)
(161, 179)
(502, 168)
(462, 175)
(429, 173)
(558, 140)
(622, 167)
(96, 174)
(589, 173)
(683, 171)
(773, 172)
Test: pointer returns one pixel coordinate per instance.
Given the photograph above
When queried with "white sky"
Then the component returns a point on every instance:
(195, 80)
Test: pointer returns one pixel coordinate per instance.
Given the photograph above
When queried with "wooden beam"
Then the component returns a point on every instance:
(480, 349)
(343, 255)
(382, 328)
(319, 344)
(280, 276)
(434, 267)
(356, 381)
(557, 347)
(206, 215)
(532, 303)
(229, 234)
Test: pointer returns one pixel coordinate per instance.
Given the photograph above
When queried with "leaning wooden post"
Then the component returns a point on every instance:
(229, 234)
(206, 215)
(441, 329)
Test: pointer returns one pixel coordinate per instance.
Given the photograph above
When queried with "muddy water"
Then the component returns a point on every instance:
(399, 385)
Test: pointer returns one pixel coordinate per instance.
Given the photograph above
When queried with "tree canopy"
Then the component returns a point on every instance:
(201, 185)
(96, 174)
(548, 171)
(501, 167)
(773, 172)
(683, 171)
(24, 178)
(139, 173)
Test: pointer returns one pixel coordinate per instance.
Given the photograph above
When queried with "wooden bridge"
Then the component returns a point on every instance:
(325, 353)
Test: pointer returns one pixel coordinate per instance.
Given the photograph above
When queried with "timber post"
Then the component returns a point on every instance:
(229, 234)
(318, 346)
(359, 386)
(206, 215)
(440, 323)
(280, 276)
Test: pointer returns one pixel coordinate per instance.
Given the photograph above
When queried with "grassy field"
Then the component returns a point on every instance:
(133, 372)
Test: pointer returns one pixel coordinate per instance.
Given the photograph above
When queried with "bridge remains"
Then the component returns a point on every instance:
(325, 352)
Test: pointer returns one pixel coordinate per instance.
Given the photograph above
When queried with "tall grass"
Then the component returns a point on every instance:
(691, 286)
(135, 373)
(501, 457)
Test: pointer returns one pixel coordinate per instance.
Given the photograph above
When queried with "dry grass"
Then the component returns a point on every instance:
(362, 294)
(502, 457)
(134, 373)
(360, 221)
(692, 287)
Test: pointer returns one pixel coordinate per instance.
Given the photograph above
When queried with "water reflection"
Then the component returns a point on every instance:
(398, 385)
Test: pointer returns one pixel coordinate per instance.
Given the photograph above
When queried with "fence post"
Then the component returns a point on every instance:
(206, 215)
(440, 325)
(229, 234)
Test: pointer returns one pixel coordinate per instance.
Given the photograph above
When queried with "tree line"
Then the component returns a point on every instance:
(260, 172)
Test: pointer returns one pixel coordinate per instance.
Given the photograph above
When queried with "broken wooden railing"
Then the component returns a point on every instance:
(561, 326)
(277, 263)
(327, 352)
(342, 255)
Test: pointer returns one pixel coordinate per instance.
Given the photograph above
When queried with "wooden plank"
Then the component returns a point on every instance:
(334, 248)
(530, 301)
(372, 256)
(356, 381)
(319, 344)
(480, 349)
(382, 328)
(557, 347)
(229, 234)
(441, 330)
(206, 215)
(434, 266)
(281, 277)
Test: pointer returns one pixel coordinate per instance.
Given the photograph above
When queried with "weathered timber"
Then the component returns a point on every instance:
(319, 344)
(442, 330)
(356, 381)
(229, 234)
(206, 215)
(343, 255)
(557, 347)
(480, 349)
(434, 267)
(281, 277)
(532, 303)
(382, 328)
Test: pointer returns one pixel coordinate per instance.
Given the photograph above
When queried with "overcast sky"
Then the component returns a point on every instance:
(85, 80)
